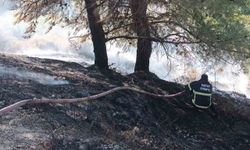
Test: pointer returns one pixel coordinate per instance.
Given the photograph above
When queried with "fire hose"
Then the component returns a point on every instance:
(21, 103)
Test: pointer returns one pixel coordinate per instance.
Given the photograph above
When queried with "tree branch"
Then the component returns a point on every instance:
(160, 40)
(14, 106)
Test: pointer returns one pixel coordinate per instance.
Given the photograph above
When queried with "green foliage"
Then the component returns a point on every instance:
(222, 25)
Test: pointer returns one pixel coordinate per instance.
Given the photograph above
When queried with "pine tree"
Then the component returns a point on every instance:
(206, 28)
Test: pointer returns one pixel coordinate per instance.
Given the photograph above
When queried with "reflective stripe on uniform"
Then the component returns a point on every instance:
(189, 86)
(203, 107)
(203, 94)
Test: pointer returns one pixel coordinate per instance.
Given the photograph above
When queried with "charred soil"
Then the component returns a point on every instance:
(122, 120)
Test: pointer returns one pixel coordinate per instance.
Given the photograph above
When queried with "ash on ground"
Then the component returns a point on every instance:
(123, 120)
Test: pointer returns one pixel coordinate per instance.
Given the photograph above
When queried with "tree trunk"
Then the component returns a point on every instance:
(97, 33)
(141, 27)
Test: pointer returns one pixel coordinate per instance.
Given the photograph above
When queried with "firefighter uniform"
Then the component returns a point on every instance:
(201, 92)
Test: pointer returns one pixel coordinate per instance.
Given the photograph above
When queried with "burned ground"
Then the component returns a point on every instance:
(123, 120)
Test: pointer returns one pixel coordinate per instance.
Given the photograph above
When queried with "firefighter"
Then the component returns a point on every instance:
(200, 92)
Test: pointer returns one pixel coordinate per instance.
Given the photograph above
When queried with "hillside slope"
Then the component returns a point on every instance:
(123, 120)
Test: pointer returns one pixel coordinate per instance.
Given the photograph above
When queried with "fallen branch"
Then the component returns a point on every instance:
(14, 106)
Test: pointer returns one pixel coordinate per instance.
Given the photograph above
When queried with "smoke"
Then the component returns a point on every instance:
(55, 45)
(230, 78)
(37, 77)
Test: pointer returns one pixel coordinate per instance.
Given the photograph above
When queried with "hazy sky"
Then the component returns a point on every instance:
(55, 45)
